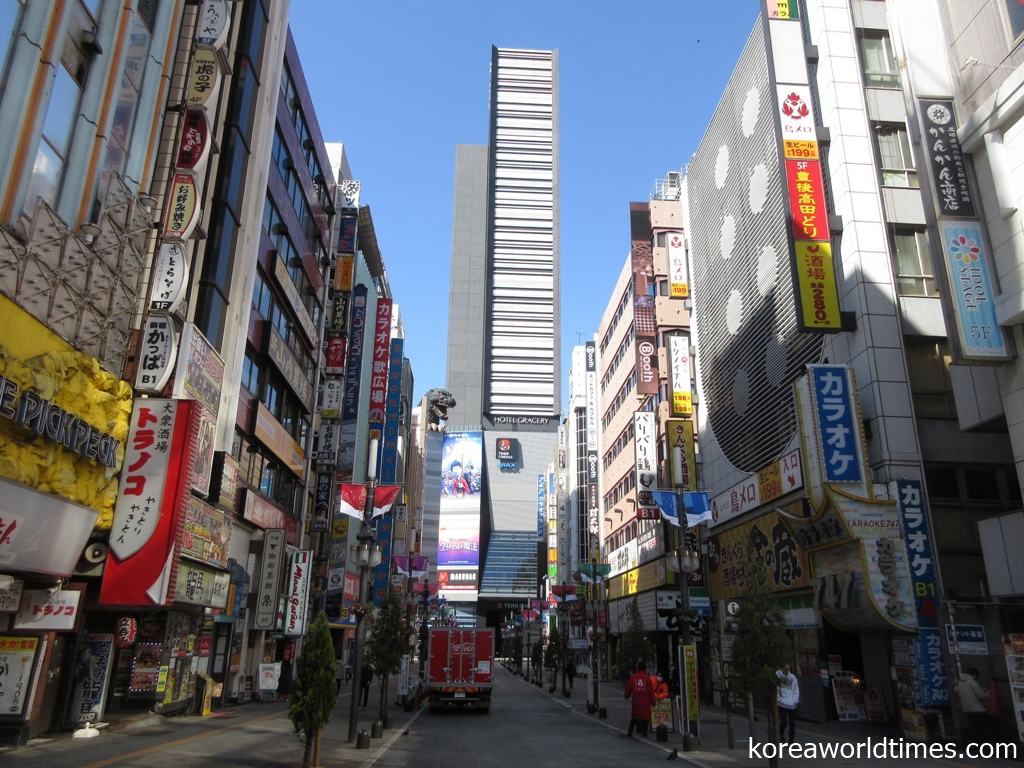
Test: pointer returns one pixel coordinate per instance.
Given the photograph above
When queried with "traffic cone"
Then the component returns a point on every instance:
(993, 699)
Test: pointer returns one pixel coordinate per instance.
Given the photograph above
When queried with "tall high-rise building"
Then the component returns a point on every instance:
(503, 330)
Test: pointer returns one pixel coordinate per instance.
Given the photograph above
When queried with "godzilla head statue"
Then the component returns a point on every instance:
(438, 402)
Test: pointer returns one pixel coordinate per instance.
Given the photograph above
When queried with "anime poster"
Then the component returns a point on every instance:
(461, 479)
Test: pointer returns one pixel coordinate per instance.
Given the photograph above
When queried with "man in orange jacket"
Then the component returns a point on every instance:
(640, 689)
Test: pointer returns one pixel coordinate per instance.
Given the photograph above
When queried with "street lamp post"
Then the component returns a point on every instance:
(687, 562)
(367, 555)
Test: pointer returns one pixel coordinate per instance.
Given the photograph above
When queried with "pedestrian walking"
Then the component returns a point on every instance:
(788, 698)
(973, 699)
(570, 671)
(639, 688)
(365, 678)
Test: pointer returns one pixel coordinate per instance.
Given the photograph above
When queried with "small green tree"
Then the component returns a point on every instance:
(314, 692)
(633, 645)
(388, 642)
(761, 646)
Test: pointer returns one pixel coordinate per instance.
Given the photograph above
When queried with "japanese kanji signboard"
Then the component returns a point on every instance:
(149, 511)
(270, 579)
(645, 446)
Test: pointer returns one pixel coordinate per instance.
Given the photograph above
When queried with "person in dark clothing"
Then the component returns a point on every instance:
(639, 688)
(570, 671)
(365, 678)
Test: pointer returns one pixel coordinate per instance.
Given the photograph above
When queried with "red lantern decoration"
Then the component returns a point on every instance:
(127, 629)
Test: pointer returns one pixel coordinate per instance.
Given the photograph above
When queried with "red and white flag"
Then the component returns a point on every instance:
(352, 500)
(384, 498)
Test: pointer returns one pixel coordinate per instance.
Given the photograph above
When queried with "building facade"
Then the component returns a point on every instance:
(503, 337)
(825, 228)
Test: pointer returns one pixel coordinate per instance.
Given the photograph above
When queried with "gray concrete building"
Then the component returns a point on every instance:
(503, 332)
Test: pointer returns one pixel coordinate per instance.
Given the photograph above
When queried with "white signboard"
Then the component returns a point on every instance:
(158, 345)
(331, 403)
(747, 494)
(682, 394)
(16, 657)
(298, 592)
(270, 580)
(170, 276)
(214, 23)
(141, 490)
(623, 559)
(348, 195)
(646, 465)
(796, 114)
(327, 444)
(41, 610)
(10, 597)
(679, 283)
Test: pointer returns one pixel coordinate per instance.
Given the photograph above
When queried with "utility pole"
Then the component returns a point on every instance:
(366, 552)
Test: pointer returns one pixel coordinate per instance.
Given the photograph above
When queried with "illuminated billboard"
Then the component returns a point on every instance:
(458, 542)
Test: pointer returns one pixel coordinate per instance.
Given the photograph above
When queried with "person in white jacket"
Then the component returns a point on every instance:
(788, 699)
(973, 701)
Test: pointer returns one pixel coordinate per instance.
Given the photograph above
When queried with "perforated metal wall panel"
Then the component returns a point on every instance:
(750, 350)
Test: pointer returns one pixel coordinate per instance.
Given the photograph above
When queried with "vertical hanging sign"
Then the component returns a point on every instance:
(646, 465)
(270, 579)
(591, 420)
(814, 278)
(682, 394)
(392, 412)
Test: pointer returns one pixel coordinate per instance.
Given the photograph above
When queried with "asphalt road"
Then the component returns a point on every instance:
(524, 728)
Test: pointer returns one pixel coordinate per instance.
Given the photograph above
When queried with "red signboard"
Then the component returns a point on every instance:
(351, 589)
(379, 372)
(260, 511)
(194, 147)
(147, 571)
(807, 200)
(337, 346)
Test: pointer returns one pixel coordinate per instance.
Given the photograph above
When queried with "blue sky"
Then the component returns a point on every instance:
(401, 83)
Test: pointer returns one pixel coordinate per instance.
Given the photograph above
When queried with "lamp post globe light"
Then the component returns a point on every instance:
(367, 555)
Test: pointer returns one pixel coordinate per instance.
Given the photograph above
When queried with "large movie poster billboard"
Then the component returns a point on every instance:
(458, 541)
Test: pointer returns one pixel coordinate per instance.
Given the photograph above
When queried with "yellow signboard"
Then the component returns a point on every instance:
(797, 149)
(343, 273)
(819, 298)
(36, 362)
(684, 467)
(785, 561)
(273, 435)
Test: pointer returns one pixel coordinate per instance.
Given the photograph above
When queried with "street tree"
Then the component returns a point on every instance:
(761, 646)
(314, 692)
(388, 642)
(553, 653)
(633, 646)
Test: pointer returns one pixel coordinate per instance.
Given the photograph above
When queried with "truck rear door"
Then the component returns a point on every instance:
(483, 644)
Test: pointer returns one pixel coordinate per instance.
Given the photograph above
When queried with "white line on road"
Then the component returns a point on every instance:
(379, 753)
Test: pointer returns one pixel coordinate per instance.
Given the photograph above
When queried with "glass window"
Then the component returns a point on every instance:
(48, 169)
(930, 384)
(914, 276)
(880, 69)
(894, 156)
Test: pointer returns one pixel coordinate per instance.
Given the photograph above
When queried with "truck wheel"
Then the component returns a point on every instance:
(486, 710)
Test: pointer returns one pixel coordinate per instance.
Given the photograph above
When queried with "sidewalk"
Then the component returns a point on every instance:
(713, 750)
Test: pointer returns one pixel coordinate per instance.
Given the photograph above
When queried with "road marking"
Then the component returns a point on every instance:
(178, 742)
(377, 755)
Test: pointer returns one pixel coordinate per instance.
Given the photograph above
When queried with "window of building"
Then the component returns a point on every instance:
(877, 59)
(251, 372)
(895, 157)
(961, 496)
(1014, 20)
(10, 19)
(913, 263)
(51, 156)
(930, 383)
